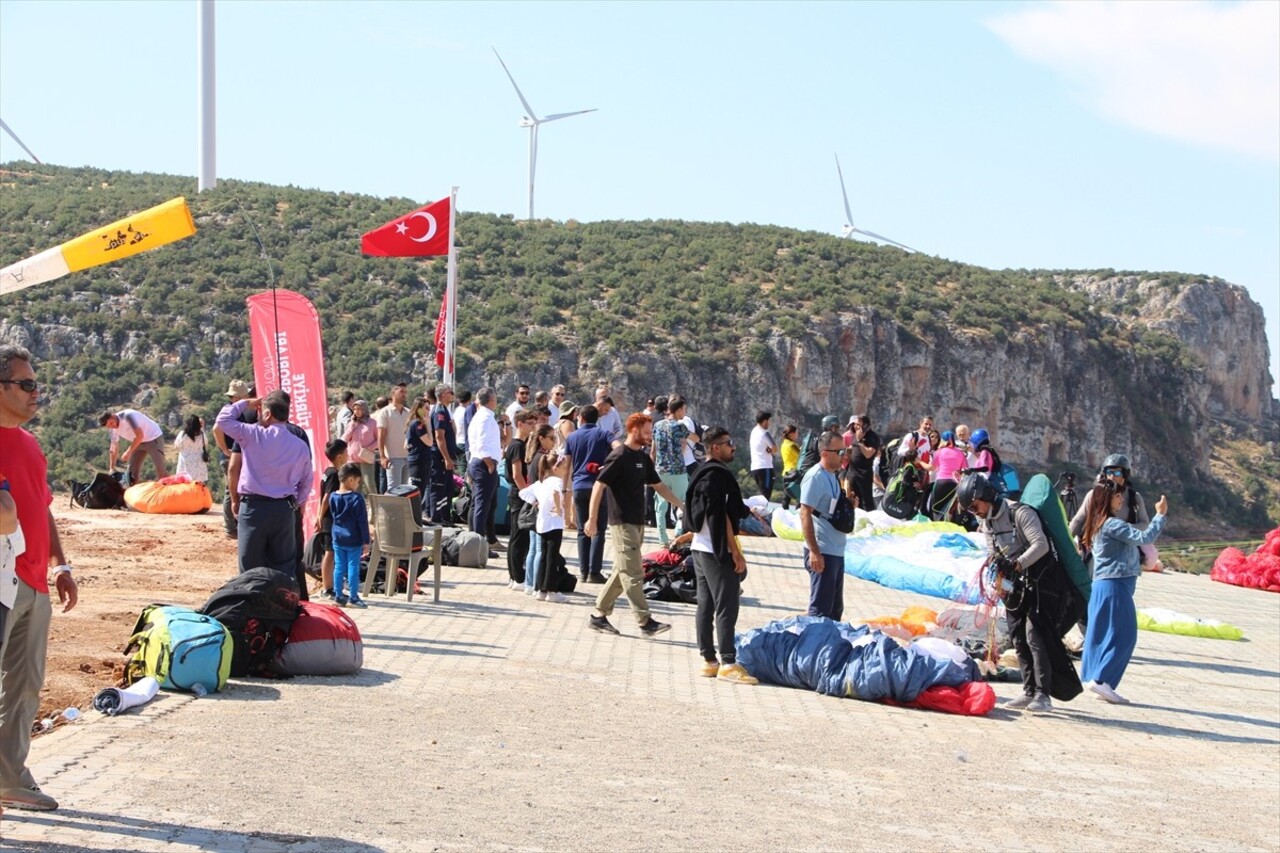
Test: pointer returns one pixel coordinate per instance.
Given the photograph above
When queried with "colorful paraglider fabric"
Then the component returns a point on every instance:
(837, 659)
(786, 525)
(933, 558)
(167, 497)
(1172, 622)
(1259, 570)
(975, 699)
(913, 622)
(140, 232)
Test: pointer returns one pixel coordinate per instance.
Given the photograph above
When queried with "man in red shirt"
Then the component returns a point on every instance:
(26, 632)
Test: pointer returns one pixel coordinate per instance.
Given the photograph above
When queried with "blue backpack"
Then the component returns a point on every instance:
(180, 648)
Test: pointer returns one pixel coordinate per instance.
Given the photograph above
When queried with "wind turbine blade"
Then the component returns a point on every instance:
(527, 108)
(9, 131)
(555, 116)
(845, 195)
(875, 236)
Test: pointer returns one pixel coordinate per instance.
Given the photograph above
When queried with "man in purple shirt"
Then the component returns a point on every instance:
(274, 480)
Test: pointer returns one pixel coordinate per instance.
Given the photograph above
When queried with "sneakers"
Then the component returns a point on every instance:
(341, 601)
(1040, 704)
(542, 596)
(557, 597)
(28, 799)
(653, 627)
(595, 577)
(528, 590)
(710, 668)
(328, 593)
(735, 673)
(1021, 702)
(1107, 693)
(601, 624)
(358, 602)
(516, 586)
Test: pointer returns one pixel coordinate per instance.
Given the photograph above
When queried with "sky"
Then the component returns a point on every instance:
(1132, 136)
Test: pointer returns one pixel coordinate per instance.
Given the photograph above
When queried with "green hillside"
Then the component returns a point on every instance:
(530, 294)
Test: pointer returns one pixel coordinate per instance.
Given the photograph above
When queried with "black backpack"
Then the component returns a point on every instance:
(105, 492)
(258, 607)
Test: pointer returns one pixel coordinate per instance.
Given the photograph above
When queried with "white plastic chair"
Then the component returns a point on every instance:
(398, 536)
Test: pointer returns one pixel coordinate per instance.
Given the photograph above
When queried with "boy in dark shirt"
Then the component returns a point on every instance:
(336, 452)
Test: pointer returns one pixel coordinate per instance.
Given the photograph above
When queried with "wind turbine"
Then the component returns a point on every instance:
(531, 121)
(9, 131)
(849, 230)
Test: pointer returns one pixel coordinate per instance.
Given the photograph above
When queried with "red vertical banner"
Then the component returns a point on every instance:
(287, 354)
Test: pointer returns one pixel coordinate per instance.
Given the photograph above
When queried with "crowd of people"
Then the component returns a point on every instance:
(576, 468)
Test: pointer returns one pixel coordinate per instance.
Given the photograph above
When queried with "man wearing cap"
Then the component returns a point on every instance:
(144, 436)
(24, 474)
(231, 460)
(274, 481)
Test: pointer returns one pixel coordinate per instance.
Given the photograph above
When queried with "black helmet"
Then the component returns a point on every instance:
(975, 487)
(1117, 460)
(830, 422)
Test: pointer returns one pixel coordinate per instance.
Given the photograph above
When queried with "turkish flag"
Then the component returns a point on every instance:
(440, 325)
(425, 231)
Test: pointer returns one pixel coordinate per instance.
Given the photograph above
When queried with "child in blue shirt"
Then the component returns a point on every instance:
(350, 520)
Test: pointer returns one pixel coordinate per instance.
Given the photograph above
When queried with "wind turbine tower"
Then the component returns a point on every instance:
(849, 229)
(531, 121)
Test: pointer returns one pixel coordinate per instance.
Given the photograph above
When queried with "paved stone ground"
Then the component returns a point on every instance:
(494, 722)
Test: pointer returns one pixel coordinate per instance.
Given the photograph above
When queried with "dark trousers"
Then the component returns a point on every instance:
(420, 475)
(549, 575)
(862, 487)
(826, 588)
(1033, 654)
(439, 493)
(379, 475)
(484, 490)
(268, 535)
(719, 588)
(764, 481)
(228, 517)
(299, 544)
(517, 544)
(941, 493)
(590, 550)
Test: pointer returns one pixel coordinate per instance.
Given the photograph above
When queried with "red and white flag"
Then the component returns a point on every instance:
(441, 326)
(421, 233)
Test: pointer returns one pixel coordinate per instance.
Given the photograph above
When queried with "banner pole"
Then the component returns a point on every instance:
(451, 292)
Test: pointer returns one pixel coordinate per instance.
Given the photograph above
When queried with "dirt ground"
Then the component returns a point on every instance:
(123, 562)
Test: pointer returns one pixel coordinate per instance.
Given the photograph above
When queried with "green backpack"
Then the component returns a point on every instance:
(180, 648)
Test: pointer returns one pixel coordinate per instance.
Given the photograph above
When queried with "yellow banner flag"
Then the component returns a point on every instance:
(149, 229)
(161, 224)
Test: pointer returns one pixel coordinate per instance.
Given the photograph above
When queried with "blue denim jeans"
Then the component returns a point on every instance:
(346, 567)
(533, 563)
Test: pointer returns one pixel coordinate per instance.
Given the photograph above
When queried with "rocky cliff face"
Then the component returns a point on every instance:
(1047, 395)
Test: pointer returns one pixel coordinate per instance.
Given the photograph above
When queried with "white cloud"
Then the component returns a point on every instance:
(1205, 73)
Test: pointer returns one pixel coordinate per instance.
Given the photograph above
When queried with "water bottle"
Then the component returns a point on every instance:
(199, 690)
(71, 715)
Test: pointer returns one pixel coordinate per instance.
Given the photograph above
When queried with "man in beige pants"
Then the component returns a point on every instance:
(624, 474)
(24, 472)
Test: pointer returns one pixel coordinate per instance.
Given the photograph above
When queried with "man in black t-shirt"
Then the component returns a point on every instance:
(624, 474)
(518, 476)
(862, 457)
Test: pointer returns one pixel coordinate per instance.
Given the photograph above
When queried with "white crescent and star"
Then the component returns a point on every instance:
(402, 227)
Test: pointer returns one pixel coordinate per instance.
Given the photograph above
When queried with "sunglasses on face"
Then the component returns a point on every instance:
(728, 442)
(1113, 472)
(27, 385)
(833, 450)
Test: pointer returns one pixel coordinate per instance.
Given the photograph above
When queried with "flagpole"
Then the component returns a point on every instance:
(451, 292)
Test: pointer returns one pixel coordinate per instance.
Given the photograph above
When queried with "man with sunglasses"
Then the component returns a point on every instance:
(715, 510)
(823, 544)
(144, 436)
(26, 631)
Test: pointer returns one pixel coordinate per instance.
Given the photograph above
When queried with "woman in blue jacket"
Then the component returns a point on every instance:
(1113, 620)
